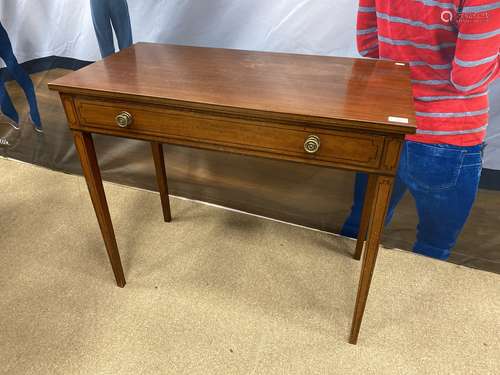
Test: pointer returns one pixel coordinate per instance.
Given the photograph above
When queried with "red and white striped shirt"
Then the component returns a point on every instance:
(452, 47)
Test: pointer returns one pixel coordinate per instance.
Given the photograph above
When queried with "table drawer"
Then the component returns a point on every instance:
(177, 125)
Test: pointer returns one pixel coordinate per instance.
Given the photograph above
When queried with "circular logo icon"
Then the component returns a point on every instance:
(446, 16)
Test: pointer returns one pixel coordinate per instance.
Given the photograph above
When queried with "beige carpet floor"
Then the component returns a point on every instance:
(218, 292)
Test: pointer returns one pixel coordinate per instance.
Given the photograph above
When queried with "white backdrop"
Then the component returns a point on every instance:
(41, 28)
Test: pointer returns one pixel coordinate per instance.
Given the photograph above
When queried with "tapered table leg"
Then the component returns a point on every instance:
(381, 196)
(85, 147)
(365, 216)
(161, 178)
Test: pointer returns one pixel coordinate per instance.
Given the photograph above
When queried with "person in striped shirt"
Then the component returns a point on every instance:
(452, 48)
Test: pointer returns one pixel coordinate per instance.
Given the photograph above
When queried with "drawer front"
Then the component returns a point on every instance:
(176, 126)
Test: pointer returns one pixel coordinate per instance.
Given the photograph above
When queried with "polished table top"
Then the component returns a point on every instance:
(327, 88)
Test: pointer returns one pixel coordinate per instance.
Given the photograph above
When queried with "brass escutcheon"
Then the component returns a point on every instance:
(312, 143)
(124, 119)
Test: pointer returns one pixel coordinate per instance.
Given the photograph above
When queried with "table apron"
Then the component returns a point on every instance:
(339, 148)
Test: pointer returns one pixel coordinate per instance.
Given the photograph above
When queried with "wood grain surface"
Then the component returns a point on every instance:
(301, 86)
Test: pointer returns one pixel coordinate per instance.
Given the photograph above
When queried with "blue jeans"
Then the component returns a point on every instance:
(105, 13)
(22, 78)
(443, 180)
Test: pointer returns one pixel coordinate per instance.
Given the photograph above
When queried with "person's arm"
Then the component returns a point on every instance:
(366, 29)
(476, 61)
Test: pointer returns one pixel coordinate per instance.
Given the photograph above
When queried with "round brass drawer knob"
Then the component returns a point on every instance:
(312, 143)
(124, 119)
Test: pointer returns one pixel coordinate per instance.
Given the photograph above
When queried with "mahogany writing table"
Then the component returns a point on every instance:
(327, 111)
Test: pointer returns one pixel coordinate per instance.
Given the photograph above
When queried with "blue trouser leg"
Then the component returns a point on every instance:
(22, 78)
(102, 25)
(120, 18)
(444, 181)
(105, 12)
(351, 225)
(6, 105)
